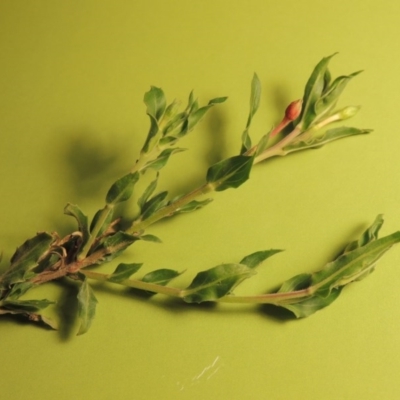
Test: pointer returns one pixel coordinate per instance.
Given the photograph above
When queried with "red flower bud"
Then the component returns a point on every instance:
(293, 110)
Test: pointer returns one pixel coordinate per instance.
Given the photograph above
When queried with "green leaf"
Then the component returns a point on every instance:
(230, 173)
(26, 258)
(115, 244)
(195, 117)
(25, 306)
(162, 158)
(310, 305)
(307, 293)
(298, 282)
(193, 206)
(150, 238)
(33, 316)
(263, 143)
(160, 276)
(147, 193)
(331, 95)
(74, 211)
(329, 136)
(124, 271)
(246, 141)
(254, 98)
(86, 306)
(216, 282)
(156, 102)
(105, 224)
(154, 204)
(217, 100)
(351, 265)
(313, 91)
(19, 289)
(368, 236)
(255, 259)
(122, 189)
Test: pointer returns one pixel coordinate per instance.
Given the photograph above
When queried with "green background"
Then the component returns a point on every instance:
(72, 79)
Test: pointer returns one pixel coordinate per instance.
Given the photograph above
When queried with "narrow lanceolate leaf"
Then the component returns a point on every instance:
(147, 192)
(26, 310)
(150, 238)
(255, 259)
(331, 94)
(114, 245)
(246, 141)
(329, 136)
(74, 211)
(230, 173)
(255, 96)
(25, 306)
(351, 265)
(104, 215)
(122, 189)
(154, 204)
(161, 276)
(216, 282)
(368, 236)
(162, 159)
(86, 306)
(307, 293)
(193, 206)
(315, 86)
(263, 143)
(124, 271)
(19, 289)
(26, 258)
(308, 306)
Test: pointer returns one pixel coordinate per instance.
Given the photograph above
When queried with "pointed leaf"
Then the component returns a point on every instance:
(246, 141)
(255, 259)
(105, 224)
(368, 236)
(329, 136)
(310, 305)
(152, 205)
(216, 282)
(114, 245)
(218, 100)
(147, 193)
(230, 173)
(124, 271)
(351, 265)
(86, 306)
(298, 282)
(313, 91)
(26, 258)
(26, 306)
(331, 95)
(122, 189)
(162, 159)
(74, 211)
(150, 238)
(193, 206)
(254, 98)
(263, 143)
(19, 289)
(160, 276)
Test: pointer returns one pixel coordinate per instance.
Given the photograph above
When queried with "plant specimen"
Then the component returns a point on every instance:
(306, 124)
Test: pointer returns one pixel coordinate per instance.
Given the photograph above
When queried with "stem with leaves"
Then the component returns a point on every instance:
(305, 125)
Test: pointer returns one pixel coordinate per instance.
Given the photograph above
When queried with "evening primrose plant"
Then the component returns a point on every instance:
(308, 123)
